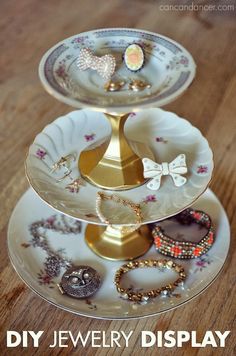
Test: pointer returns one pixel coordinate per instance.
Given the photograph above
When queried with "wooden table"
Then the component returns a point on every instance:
(28, 28)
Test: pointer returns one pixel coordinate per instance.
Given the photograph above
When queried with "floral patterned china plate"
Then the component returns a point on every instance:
(153, 133)
(65, 236)
(168, 69)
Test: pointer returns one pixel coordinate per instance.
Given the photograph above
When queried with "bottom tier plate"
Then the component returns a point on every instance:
(29, 261)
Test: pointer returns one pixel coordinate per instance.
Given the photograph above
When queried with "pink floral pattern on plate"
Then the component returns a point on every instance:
(45, 279)
(161, 139)
(61, 71)
(75, 186)
(90, 137)
(80, 39)
(41, 153)
(202, 169)
(202, 262)
(150, 199)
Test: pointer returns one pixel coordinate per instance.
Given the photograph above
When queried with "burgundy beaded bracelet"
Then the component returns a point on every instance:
(185, 249)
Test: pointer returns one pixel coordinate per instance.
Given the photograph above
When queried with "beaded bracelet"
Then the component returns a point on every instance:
(131, 295)
(185, 249)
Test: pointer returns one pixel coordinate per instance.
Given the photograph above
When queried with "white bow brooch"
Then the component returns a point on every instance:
(156, 171)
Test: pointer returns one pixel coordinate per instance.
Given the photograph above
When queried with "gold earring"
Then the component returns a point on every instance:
(63, 162)
(138, 85)
(114, 85)
(67, 174)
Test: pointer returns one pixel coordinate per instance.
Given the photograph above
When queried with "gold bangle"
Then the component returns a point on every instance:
(125, 202)
(145, 296)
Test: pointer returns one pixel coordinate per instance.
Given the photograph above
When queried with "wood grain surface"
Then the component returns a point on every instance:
(27, 29)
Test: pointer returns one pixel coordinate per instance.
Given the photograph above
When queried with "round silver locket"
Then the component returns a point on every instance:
(80, 282)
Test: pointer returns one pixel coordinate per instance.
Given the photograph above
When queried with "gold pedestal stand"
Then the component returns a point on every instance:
(114, 243)
(115, 166)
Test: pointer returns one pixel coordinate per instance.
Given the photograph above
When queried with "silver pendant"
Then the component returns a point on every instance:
(80, 282)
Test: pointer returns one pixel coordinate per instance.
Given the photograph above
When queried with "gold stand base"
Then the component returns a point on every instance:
(113, 165)
(114, 244)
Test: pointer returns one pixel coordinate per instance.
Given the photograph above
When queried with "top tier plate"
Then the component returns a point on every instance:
(169, 68)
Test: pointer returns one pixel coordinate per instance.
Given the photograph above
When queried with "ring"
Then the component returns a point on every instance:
(185, 249)
(134, 57)
(130, 294)
(80, 282)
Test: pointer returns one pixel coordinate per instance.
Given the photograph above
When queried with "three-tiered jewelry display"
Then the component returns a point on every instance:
(88, 166)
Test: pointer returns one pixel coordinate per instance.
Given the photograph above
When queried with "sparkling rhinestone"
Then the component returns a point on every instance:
(144, 299)
(164, 293)
(169, 264)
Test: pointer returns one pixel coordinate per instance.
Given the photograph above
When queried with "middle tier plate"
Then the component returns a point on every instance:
(152, 133)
